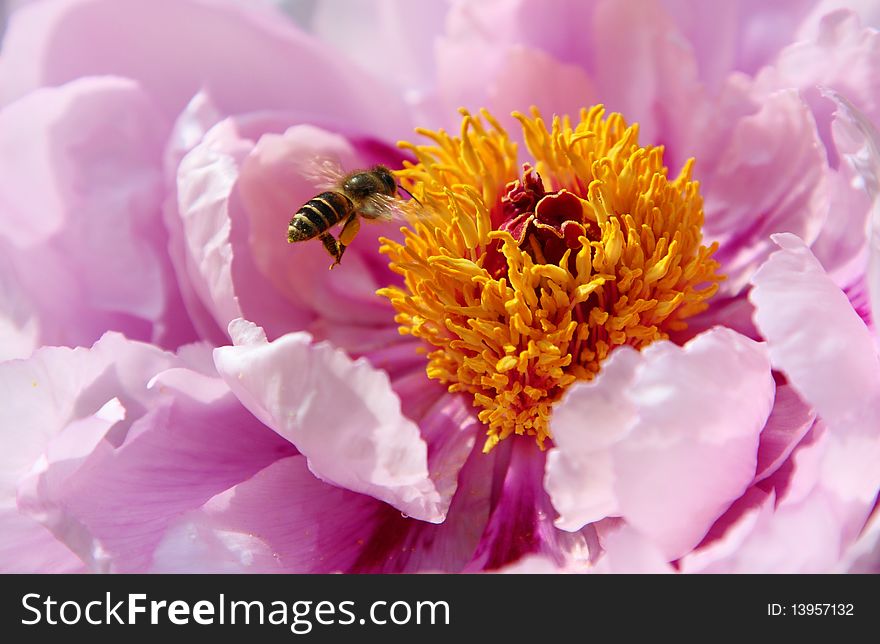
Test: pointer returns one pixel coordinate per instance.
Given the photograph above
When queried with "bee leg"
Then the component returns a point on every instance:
(332, 247)
(349, 229)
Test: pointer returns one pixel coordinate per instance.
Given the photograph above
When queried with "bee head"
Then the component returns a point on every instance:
(388, 181)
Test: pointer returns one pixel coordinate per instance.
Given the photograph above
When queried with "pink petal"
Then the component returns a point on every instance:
(399, 544)
(399, 31)
(191, 126)
(737, 36)
(520, 524)
(827, 354)
(39, 398)
(730, 533)
(529, 77)
(770, 178)
(842, 250)
(80, 200)
(341, 414)
(205, 177)
(112, 505)
(574, 55)
(843, 56)
(174, 48)
(674, 431)
(867, 10)
(481, 37)
(805, 531)
(649, 74)
(735, 312)
(864, 556)
(841, 246)
(28, 547)
(19, 319)
(322, 528)
(235, 199)
(788, 423)
(814, 335)
(628, 552)
(272, 186)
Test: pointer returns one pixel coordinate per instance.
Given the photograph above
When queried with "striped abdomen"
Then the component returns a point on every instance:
(319, 215)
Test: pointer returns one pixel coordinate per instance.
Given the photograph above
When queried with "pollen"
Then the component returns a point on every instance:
(521, 279)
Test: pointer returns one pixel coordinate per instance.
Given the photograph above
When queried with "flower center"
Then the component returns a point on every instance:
(525, 281)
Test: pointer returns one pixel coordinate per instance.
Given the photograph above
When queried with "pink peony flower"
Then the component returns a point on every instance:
(698, 360)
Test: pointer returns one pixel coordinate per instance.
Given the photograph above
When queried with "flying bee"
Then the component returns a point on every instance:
(372, 194)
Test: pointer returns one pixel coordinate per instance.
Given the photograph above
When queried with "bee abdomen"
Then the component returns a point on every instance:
(318, 215)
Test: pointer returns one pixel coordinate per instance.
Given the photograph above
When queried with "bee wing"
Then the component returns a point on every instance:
(324, 172)
(380, 207)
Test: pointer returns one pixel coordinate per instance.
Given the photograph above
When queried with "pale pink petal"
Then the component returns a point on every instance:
(867, 10)
(806, 530)
(580, 468)
(28, 547)
(624, 54)
(341, 414)
(814, 335)
(827, 488)
(80, 199)
(205, 177)
(192, 545)
(44, 395)
(729, 534)
(678, 432)
(843, 56)
(647, 71)
(400, 48)
(737, 36)
(841, 246)
(199, 116)
(628, 552)
(56, 386)
(801, 539)
(841, 249)
(770, 178)
(864, 555)
(529, 77)
(19, 319)
(480, 36)
(241, 54)
(111, 505)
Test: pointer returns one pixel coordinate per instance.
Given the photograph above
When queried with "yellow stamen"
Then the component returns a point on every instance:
(524, 283)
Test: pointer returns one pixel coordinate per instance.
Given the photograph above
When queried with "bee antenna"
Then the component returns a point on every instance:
(411, 196)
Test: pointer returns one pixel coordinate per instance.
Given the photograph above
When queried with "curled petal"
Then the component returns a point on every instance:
(341, 414)
(666, 438)
(814, 335)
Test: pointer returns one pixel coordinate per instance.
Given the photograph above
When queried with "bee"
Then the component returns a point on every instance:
(369, 193)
